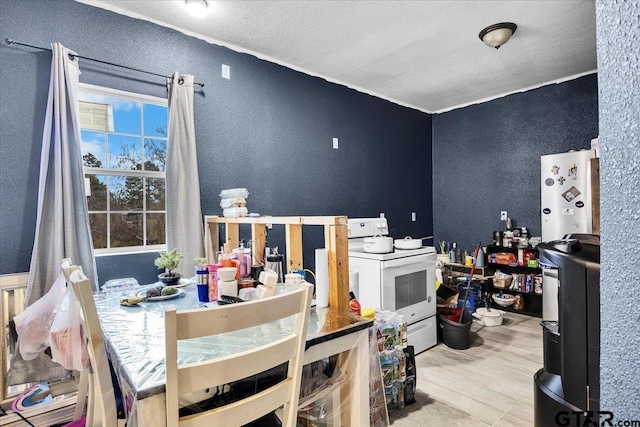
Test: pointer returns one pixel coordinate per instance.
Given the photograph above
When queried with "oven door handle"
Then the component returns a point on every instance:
(411, 260)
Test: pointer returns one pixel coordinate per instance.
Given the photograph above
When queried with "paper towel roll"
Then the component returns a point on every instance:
(322, 278)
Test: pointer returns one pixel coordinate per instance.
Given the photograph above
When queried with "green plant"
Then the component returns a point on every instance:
(201, 262)
(169, 261)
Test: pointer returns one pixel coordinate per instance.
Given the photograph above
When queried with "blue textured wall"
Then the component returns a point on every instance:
(487, 157)
(269, 129)
(618, 38)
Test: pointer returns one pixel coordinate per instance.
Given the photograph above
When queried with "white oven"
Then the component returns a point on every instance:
(402, 281)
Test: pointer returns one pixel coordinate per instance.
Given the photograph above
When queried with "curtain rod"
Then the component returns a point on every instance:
(11, 41)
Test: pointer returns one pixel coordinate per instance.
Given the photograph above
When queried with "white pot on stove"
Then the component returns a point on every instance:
(378, 244)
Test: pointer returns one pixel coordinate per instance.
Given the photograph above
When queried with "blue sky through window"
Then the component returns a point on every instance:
(125, 209)
(129, 117)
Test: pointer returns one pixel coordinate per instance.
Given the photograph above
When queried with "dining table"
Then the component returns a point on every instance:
(135, 343)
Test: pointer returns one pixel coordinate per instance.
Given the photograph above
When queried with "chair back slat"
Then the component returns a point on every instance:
(242, 411)
(189, 324)
(200, 375)
(233, 317)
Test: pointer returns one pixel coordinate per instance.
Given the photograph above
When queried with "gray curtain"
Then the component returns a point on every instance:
(184, 214)
(62, 224)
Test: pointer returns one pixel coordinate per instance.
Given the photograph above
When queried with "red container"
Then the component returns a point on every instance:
(452, 314)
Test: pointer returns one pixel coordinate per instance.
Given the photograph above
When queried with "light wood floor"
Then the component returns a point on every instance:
(489, 384)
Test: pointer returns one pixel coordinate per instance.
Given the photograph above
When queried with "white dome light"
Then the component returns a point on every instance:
(197, 8)
(497, 34)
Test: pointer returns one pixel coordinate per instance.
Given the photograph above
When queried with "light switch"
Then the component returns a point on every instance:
(335, 143)
(226, 71)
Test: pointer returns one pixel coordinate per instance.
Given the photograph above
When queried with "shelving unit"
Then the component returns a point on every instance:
(532, 300)
(480, 273)
(335, 236)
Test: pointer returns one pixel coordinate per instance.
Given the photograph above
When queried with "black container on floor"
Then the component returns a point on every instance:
(455, 335)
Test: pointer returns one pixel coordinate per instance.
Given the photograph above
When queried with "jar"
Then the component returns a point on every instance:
(246, 282)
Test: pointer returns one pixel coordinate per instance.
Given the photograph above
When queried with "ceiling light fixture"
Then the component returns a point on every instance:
(497, 34)
(197, 8)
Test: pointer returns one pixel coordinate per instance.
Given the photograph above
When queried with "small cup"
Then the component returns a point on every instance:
(203, 293)
(468, 261)
(292, 281)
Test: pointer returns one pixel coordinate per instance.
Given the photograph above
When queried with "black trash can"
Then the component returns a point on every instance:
(455, 335)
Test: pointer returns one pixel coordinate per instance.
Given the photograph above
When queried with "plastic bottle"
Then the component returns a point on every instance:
(354, 305)
(213, 281)
(243, 255)
(403, 331)
(247, 258)
(402, 364)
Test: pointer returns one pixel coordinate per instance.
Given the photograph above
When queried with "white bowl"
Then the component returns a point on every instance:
(227, 274)
(505, 301)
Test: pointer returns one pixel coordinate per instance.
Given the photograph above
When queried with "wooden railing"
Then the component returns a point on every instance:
(335, 236)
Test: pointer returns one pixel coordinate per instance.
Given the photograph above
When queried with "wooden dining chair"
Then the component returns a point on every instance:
(95, 382)
(190, 377)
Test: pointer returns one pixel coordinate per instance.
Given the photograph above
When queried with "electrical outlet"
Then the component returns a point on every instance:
(503, 215)
(413, 216)
(381, 214)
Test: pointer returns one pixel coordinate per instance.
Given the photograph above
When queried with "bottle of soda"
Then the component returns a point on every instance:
(354, 305)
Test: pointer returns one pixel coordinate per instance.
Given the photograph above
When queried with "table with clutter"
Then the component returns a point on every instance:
(134, 339)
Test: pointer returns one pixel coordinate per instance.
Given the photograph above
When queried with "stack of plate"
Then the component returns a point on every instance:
(233, 202)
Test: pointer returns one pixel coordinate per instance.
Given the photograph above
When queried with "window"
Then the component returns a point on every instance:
(124, 151)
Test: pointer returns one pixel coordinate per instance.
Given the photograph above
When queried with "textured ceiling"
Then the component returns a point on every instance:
(423, 54)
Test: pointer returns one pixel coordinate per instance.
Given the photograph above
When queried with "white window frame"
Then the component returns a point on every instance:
(138, 97)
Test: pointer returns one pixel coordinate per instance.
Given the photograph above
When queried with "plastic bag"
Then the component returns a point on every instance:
(34, 323)
(68, 343)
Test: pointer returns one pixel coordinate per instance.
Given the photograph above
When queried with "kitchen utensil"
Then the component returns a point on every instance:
(378, 244)
(407, 243)
(488, 317)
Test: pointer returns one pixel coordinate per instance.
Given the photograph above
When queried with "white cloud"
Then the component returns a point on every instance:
(95, 147)
(120, 104)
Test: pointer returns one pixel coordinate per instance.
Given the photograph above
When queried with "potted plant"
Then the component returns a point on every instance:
(169, 261)
(202, 272)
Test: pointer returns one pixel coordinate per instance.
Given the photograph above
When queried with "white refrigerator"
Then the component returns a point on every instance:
(565, 194)
(565, 188)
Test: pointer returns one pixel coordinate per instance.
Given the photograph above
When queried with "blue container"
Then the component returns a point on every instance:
(475, 296)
